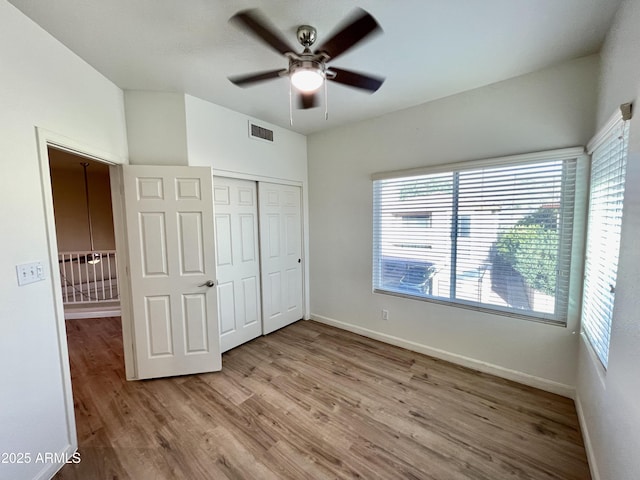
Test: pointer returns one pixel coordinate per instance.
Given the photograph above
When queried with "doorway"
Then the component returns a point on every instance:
(47, 141)
(80, 218)
(83, 214)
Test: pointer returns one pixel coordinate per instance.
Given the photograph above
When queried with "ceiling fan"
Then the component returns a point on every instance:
(308, 71)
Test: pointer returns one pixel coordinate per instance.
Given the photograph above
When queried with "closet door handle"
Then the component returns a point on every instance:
(208, 283)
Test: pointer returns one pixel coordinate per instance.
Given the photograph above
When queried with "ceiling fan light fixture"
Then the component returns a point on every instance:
(94, 258)
(307, 79)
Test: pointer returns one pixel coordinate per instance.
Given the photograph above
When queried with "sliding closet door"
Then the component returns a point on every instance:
(237, 261)
(281, 255)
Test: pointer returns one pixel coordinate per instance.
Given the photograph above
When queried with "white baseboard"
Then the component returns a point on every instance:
(91, 313)
(588, 446)
(498, 371)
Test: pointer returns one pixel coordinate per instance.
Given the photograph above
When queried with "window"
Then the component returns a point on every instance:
(420, 219)
(498, 237)
(606, 195)
(464, 226)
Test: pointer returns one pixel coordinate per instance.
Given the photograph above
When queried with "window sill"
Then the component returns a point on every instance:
(476, 307)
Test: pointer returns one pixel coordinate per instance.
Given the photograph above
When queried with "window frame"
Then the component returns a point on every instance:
(576, 235)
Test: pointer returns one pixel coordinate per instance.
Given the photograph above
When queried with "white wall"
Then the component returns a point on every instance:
(43, 85)
(156, 128)
(549, 109)
(610, 401)
(219, 138)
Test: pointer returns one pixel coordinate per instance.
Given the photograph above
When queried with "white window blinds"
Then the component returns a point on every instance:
(492, 237)
(606, 195)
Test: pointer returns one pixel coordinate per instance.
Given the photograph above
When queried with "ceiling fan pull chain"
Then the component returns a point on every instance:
(290, 106)
(326, 102)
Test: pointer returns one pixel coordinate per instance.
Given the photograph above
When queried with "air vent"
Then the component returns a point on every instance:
(260, 133)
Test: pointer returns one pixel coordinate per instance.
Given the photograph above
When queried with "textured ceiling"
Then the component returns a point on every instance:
(429, 49)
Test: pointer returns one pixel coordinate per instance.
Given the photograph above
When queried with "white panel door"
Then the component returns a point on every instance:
(281, 255)
(169, 221)
(237, 261)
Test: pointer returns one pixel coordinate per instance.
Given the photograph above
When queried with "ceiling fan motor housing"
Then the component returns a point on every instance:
(306, 35)
(306, 64)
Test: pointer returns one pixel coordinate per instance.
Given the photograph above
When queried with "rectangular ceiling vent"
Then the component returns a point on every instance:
(260, 133)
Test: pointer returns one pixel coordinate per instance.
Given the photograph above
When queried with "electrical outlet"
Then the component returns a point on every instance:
(385, 314)
(30, 273)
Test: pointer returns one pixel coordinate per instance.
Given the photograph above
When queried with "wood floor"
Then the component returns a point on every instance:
(313, 402)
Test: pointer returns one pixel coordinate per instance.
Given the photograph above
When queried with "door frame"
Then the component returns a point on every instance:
(116, 177)
(46, 139)
(303, 223)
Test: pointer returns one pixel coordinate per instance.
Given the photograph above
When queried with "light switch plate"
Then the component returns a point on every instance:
(29, 273)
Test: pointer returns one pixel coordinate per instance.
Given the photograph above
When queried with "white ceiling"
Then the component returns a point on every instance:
(430, 48)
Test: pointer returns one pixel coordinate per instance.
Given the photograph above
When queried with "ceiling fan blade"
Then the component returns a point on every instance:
(307, 100)
(246, 80)
(254, 22)
(360, 26)
(355, 79)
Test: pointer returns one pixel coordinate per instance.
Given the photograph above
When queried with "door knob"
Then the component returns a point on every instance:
(208, 283)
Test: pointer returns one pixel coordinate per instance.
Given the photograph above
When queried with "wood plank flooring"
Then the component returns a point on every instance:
(313, 402)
